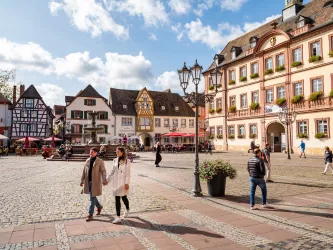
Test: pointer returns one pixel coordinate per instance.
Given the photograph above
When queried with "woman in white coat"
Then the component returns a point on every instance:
(120, 177)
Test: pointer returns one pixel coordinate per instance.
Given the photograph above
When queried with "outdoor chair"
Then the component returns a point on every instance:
(18, 151)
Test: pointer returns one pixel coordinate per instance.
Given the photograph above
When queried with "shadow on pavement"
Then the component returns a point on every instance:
(304, 185)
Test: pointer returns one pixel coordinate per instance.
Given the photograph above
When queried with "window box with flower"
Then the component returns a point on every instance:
(241, 136)
(314, 59)
(297, 99)
(211, 136)
(254, 106)
(253, 136)
(215, 174)
(211, 111)
(211, 87)
(219, 86)
(243, 79)
(232, 109)
(280, 101)
(330, 54)
(280, 68)
(268, 71)
(218, 110)
(331, 94)
(320, 135)
(302, 135)
(296, 64)
(315, 95)
(219, 136)
(232, 82)
(231, 136)
(255, 75)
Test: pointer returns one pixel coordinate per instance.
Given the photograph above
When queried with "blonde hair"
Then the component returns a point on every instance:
(327, 148)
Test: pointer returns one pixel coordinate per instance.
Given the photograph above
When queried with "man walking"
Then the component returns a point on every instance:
(209, 148)
(267, 160)
(256, 169)
(93, 173)
(302, 146)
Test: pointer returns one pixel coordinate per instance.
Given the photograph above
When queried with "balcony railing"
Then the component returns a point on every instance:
(244, 113)
(321, 103)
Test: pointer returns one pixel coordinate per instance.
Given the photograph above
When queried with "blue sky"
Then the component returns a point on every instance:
(60, 46)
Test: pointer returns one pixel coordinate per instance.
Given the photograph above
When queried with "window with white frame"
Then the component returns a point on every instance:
(281, 92)
(297, 55)
(269, 95)
(233, 54)
(25, 113)
(23, 127)
(28, 103)
(166, 139)
(322, 126)
(280, 60)
(233, 101)
(298, 88)
(183, 123)
(243, 71)
(253, 43)
(175, 123)
(317, 85)
(33, 127)
(232, 75)
(231, 130)
(255, 97)
(244, 101)
(211, 105)
(157, 122)
(253, 129)
(219, 130)
(255, 68)
(315, 49)
(303, 127)
(166, 122)
(145, 123)
(219, 103)
(212, 130)
(241, 130)
(300, 24)
(269, 63)
(126, 121)
(191, 123)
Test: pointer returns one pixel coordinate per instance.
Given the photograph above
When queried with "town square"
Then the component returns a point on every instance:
(166, 124)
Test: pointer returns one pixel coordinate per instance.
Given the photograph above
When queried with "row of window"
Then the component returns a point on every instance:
(231, 131)
(321, 126)
(78, 128)
(315, 49)
(28, 128)
(90, 102)
(75, 114)
(147, 122)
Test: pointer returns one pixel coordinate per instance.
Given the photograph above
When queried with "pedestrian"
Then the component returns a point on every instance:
(267, 159)
(209, 148)
(302, 146)
(120, 176)
(158, 155)
(328, 160)
(256, 169)
(93, 174)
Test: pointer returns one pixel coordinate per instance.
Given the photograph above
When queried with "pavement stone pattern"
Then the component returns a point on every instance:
(43, 207)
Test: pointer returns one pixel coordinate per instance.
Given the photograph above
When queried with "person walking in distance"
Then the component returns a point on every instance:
(209, 148)
(93, 174)
(120, 176)
(158, 154)
(302, 147)
(256, 169)
(267, 159)
(328, 159)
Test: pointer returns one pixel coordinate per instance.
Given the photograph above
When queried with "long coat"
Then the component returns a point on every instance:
(120, 176)
(158, 155)
(98, 174)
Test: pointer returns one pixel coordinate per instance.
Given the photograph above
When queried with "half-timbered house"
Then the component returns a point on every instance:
(31, 116)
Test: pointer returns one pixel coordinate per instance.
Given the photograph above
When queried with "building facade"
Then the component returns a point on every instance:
(151, 114)
(59, 124)
(77, 116)
(30, 115)
(287, 63)
(5, 118)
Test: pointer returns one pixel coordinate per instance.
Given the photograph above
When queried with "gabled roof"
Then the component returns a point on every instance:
(69, 98)
(121, 97)
(59, 109)
(314, 10)
(3, 99)
(89, 91)
(31, 92)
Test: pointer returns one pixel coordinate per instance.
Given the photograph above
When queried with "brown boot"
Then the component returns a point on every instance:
(99, 209)
(89, 218)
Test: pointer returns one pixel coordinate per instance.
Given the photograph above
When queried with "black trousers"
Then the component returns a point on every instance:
(118, 204)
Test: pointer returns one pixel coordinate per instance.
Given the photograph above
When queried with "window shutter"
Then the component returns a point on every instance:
(81, 115)
(72, 114)
(94, 102)
(85, 115)
(85, 101)
(81, 128)
(72, 128)
(106, 129)
(106, 115)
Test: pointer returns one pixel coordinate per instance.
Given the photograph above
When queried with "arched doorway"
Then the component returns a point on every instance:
(146, 138)
(276, 136)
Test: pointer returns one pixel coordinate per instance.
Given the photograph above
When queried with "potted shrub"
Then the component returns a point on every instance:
(216, 173)
(280, 101)
(331, 54)
(219, 109)
(254, 105)
(232, 82)
(211, 87)
(331, 94)
(232, 109)
(243, 79)
(268, 71)
(315, 95)
(255, 75)
(279, 68)
(296, 64)
(231, 136)
(253, 136)
(314, 59)
(211, 137)
(297, 98)
(302, 135)
(241, 136)
(320, 135)
(219, 136)
(211, 111)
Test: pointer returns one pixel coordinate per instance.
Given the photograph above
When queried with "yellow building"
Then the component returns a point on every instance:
(287, 63)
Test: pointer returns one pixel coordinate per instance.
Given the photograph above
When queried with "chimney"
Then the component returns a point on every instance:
(22, 88)
(14, 94)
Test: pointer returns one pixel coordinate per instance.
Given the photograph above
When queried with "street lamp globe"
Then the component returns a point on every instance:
(184, 76)
(196, 72)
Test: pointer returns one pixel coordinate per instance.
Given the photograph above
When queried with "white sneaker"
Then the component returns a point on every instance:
(265, 205)
(252, 208)
(116, 220)
(126, 213)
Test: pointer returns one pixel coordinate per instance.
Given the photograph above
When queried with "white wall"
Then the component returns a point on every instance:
(127, 130)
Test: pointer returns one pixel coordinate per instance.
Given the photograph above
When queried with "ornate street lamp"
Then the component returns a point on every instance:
(287, 117)
(193, 98)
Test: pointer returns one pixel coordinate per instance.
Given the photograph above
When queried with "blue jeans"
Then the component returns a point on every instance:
(93, 201)
(254, 182)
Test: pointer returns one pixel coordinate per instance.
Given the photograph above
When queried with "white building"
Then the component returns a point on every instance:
(151, 114)
(77, 116)
(5, 117)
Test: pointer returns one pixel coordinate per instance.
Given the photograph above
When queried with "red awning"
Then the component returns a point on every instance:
(174, 134)
(29, 139)
(193, 135)
(50, 139)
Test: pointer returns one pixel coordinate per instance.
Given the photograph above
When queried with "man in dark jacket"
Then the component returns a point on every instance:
(257, 171)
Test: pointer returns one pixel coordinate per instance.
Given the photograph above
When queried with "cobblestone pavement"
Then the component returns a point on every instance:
(42, 207)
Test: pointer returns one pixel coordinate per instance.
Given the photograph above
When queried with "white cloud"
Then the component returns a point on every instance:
(232, 5)
(153, 37)
(180, 7)
(89, 16)
(152, 11)
(251, 26)
(179, 30)
(52, 94)
(205, 5)
(115, 70)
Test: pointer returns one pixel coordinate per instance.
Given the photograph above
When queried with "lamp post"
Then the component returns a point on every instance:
(287, 117)
(184, 76)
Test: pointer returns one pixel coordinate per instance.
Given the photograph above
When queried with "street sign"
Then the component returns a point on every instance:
(272, 109)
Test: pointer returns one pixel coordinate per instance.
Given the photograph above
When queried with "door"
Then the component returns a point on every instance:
(147, 141)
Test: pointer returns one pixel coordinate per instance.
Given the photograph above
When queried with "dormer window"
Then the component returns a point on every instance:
(253, 42)
(235, 51)
(177, 108)
(163, 107)
(233, 55)
(125, 106)
(300, 24)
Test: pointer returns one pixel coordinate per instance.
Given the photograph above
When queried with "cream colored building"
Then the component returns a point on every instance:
(285, 63)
